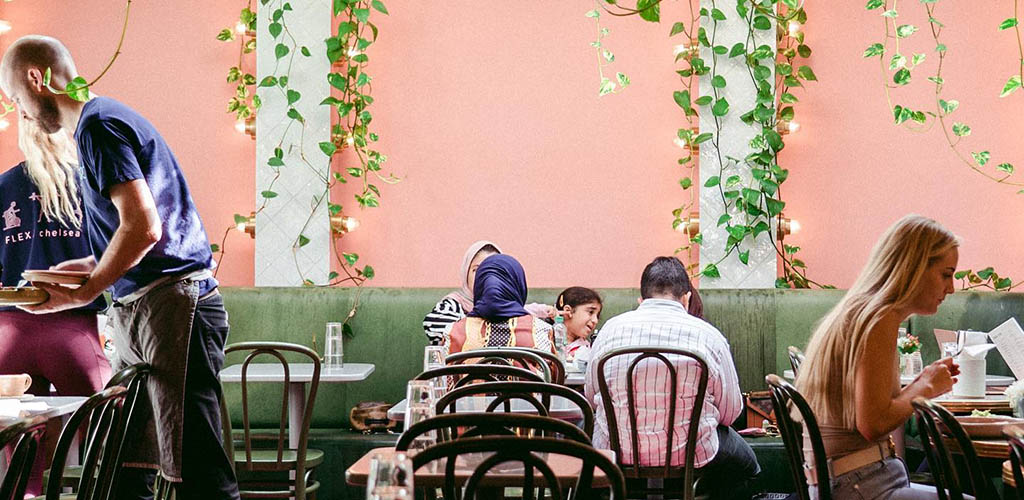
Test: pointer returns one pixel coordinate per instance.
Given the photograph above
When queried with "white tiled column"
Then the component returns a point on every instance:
(735, 138)
(279, 261)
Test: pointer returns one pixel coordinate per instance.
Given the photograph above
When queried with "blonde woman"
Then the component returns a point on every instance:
(850, 375)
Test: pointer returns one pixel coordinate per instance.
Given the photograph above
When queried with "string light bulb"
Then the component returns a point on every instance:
(241, 28)
(5, 26)
(794, 27)
(784, 127)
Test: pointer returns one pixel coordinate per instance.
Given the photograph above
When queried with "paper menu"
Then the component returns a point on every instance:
(1009, 339)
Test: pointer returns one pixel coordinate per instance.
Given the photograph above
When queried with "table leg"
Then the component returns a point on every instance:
(296, 405)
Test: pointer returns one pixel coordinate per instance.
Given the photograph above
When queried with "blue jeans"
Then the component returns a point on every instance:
(885, 480)
(729, 474)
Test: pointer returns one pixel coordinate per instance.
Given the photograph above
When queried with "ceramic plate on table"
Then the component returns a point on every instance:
(987, 427)
(995, 403)
(67, 278)
(24, 296)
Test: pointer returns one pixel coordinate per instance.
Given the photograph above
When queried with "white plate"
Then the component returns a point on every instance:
(75, 278)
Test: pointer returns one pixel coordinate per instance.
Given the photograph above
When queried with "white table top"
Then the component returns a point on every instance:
(298, 372)
(575, 378)
(561, 408)
(906, 379)
(57, 406)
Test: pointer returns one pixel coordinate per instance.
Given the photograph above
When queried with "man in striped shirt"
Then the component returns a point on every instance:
(727, 461)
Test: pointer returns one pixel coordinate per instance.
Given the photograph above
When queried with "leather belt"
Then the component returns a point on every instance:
(852, 461)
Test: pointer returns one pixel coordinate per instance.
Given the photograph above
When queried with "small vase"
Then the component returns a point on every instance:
(911, 364)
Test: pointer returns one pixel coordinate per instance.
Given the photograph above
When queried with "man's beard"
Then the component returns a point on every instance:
(49, 115)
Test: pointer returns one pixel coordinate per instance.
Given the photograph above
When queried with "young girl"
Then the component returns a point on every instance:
(581, 308)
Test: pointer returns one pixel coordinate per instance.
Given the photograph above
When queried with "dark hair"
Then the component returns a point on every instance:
(666, 275)
(575, 296)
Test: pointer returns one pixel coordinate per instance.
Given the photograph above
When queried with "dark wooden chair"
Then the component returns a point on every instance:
(1015, 435)
(533, 454)
(23, 435)
(505, 392)
(466, 425)
(464, 374)
(631, 465)
(796, 357)
(785, 398)
(300, 461)
(503, 356)
(934, 420)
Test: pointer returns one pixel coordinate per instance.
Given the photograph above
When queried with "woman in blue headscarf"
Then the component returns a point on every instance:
(499, 318)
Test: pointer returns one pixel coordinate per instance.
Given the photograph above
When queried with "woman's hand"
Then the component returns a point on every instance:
(937, 378)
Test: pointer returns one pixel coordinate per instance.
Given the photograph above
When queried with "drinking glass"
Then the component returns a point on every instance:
(333, 348)
(413, 415)
(390, 478)
(433, 357)
(950, 349)
(419, 392)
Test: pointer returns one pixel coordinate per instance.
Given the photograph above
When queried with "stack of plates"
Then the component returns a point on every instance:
(987, 427)
(67, 278)
(24, 296)
(1008, 474)
(995, 403)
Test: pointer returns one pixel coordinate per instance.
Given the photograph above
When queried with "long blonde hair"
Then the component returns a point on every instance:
(51, 163)
(888, 281)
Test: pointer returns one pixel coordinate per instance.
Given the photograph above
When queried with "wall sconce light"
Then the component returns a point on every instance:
(694, 148)
(248, 226)
(247, 126)
(343, 140)
(692, 48)
(343, 224)
(787, 226)
(784, 127)
(5, 26)
(4, 124)
(794, 27)
(691, 224)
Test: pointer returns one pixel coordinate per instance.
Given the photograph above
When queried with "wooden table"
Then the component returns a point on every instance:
(566, 469)
(990, 380)
(299, 374)
(561, 408)
(985, 448)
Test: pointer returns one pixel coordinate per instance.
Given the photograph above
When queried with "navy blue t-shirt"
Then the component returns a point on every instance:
(30, 239)
(117, 145)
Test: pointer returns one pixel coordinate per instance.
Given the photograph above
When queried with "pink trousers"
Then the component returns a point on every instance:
(61, 348)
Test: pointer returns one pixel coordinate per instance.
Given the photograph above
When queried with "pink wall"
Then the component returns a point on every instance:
(491, 117)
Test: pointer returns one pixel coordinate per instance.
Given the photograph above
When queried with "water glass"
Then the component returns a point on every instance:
(390, 478)
(950, 349)
(413, 415)
(333, 349)
(419, 392)
(433, 357)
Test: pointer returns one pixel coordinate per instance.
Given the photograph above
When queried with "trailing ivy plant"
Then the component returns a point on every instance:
(245, 103)
(750, 204)
(985, 278)
(605, 57)
(78, 87)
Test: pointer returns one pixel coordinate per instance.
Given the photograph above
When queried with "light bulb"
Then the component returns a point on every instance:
(241, 28)
(352, 52)
(793, 127)
(350, 140)
(679, 49)
(794, 28)
(240, 126)
(679, 142)
(4, 26)
(240, 227)
(794, 226)
(4, 124)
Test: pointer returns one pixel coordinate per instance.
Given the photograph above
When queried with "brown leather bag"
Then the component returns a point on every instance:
(371, 416)
(759, 409)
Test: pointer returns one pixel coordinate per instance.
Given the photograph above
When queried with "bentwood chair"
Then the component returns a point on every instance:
(652, 358)
(536, 458)
(796, 357)
(280, 459)
(23, 435)
(465, 374)
(470, 425)
(934, 420)
(506, 392)
(785, 398)
(530, 359)
(1015, 435)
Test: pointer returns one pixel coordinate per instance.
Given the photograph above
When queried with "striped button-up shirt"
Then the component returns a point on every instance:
(660, 322)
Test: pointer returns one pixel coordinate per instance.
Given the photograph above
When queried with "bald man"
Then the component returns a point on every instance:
(150, 248)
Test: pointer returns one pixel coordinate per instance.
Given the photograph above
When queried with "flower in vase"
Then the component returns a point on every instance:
(1015, 392)
(908, 345)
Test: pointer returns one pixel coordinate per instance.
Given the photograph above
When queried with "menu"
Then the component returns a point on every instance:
(1009, 339)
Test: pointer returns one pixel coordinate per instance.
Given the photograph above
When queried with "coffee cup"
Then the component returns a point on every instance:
(14, 385)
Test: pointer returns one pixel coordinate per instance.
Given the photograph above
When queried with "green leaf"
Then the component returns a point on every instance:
(718, 82)
(744, 256)
(874, 4)
(902, 77)
(354, 171)
(774, 139)
(685, 182)
(293, 96)
(240, 219)
(295, 115)
(677, 28)
(949, 106)
(78, 89)
(1005, 167)
(305, 51)
(303, 240)
(961, 130)
(792, 4)
(961, 274)
(332, 275)
(328, 148)
(807, 73)
(650, 10)
(774, 206)
(724, 219)
(623, 79)
(917, 59)
(720, 50)
(711, 271)
(703, 138)
(47, 76)
(890, 13)
(1002, 283)
(786, 113)
(275, 162)
(369, 272)
(1012, 84)
(275, 29)
(351, 258)
(607, 87)
(608, 56)
(803, 50)
(936, 80)
(787, 98)
(703, 100)
(379, 6)
(981, 157)
(940, 47)
(268, 81)
(712, 181)
(717, 15)
(268, 194)
(682, 98)
(363, 15)
(737, 49)
(897, 61)
(226, 35)
(762, 23)
(1007, 24)
(593, 13)
(986, 273)
(905, 30)
(214, 248)
(280, 50)
(720, 108)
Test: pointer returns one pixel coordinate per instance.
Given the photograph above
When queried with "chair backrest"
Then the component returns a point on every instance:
(507, 449)
(23, 434)
(785, 398)
(505, 392)
(107, 418)
(656, 354)
(275, 350)
(1015, 435)
(478, 372)
(532, 359)
(489, 424)
(932, 420)
(796, 357)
